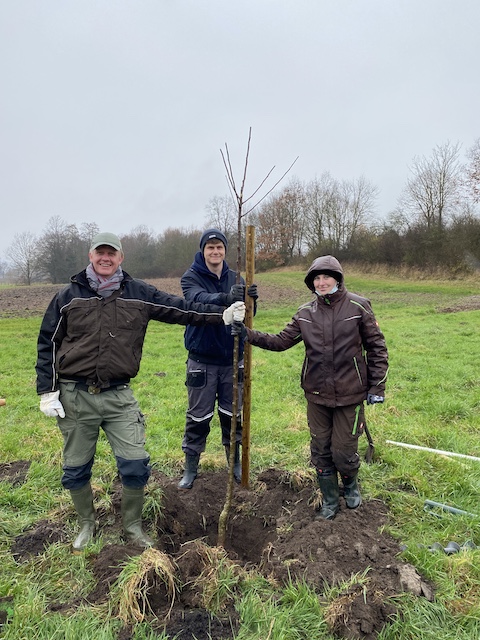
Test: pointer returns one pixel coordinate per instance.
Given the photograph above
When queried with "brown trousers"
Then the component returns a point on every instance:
(334, 436)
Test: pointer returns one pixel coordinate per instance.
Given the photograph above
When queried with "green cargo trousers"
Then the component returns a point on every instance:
(117, 412)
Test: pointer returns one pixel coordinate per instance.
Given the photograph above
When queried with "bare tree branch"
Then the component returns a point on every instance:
(270, 190)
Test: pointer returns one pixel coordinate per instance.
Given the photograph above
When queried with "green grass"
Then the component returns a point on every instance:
(432, 400)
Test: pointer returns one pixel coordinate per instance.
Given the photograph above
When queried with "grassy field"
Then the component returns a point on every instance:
(432, 400)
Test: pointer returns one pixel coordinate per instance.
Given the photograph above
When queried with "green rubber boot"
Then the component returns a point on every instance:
(351, 492)
(328, 484)
(190, 473)
(83, 503)
(132, 505)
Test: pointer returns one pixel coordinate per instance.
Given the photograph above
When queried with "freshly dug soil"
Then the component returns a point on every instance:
(271, 530)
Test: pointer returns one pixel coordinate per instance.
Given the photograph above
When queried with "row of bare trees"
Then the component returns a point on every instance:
(62, 250)
(436, 222)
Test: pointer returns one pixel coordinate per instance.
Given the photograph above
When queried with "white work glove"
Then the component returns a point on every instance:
(51, 406)
(234, 313)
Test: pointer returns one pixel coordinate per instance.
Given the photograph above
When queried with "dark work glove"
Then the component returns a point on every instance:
(239, 329)
(372, 399)
(252, 292)
(238, 292)
(224, 299)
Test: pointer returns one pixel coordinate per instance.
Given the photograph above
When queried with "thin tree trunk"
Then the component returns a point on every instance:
(239, 198)
(247, 355)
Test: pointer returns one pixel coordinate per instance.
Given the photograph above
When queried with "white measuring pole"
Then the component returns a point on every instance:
(445, 453)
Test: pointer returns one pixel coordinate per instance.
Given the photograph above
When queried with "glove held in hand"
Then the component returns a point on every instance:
(234, 313)
(51, 406)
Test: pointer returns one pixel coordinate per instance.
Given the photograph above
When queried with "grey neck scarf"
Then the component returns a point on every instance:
(104, 286)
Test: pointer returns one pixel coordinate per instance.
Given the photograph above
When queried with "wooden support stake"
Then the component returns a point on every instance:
(247, 354)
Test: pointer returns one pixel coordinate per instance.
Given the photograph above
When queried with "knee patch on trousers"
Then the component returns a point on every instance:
(134, 473)
(75, 478)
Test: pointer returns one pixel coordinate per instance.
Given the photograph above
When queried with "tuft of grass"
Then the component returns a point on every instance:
(219, 579)
(139, 576)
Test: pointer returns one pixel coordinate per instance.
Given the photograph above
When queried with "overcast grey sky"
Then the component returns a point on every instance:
(115, 111)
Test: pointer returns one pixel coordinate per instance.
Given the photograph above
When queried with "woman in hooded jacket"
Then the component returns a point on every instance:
(346, 364)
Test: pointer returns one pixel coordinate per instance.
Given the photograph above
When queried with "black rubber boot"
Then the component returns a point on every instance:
(83, 503)
(351, 492)
(190, 473)
(237, 465)
(132, 505)
(330, 495)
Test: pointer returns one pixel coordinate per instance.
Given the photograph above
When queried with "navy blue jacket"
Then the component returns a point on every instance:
(209, 344)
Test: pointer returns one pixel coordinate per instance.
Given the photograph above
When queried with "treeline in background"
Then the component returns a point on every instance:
(436, 225)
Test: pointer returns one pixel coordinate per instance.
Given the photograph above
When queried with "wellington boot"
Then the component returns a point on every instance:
(237, 465)
(132, 505)
(330, 496)
(83, 503)
(190, 473)
(351, 492)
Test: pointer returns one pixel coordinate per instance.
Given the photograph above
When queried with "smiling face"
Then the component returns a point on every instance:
(105, 260)
(214, 254)
(323, 284)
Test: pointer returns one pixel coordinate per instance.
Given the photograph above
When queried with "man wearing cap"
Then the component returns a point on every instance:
(210, 355)
(89, 347)
(346, 363)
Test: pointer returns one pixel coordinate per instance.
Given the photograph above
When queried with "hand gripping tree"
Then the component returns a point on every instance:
(243, 209)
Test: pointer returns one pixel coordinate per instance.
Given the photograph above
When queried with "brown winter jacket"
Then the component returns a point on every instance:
(345, 353)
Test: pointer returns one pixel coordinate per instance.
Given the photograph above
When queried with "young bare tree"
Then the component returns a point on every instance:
(321, 195)
(3, 269)
(281, 225)
(59, 251)
(433, 190)
(473, 171)
(335, 211)
(222, 214)
(244, 206)
(23, 254)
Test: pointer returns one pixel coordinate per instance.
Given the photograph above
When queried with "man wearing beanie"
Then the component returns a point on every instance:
(89, 347)
(210, 355)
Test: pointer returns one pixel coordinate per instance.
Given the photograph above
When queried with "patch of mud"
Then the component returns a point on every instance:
(271, 530)
(14, 472)
(28, 301)
(472, 303)
(35, 541)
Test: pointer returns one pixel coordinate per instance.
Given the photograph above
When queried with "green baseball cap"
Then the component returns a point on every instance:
(109, 239)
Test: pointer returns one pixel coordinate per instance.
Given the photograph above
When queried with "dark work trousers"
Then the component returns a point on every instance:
(117, 412)
(207, 384)
(334, 437)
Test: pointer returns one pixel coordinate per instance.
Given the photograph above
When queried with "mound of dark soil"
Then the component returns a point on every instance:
(271, 530)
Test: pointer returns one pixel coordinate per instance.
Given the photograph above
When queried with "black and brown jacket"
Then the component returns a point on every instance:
(86, 337)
